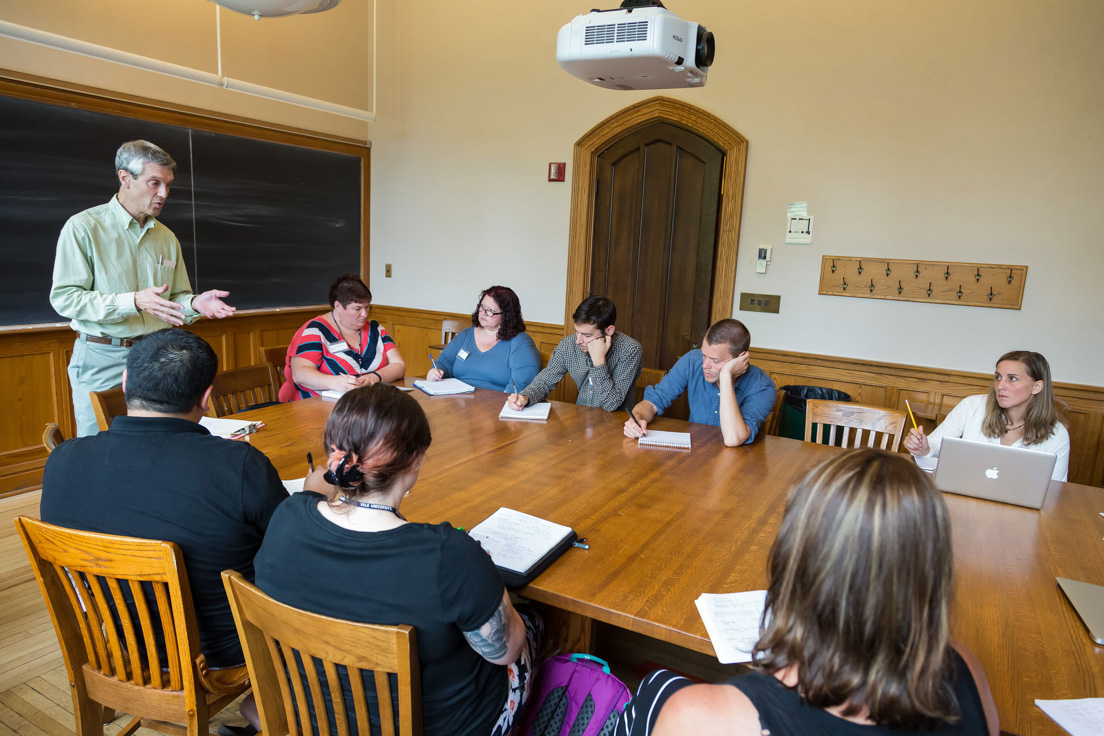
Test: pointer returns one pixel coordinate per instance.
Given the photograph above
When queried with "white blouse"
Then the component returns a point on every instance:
(965, 421)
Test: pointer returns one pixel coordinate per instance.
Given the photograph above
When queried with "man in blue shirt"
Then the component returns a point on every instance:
(724, 389)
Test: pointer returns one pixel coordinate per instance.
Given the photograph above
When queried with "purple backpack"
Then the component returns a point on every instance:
(574, 695)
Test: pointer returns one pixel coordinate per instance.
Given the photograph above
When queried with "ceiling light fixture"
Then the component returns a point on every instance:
(276, 8)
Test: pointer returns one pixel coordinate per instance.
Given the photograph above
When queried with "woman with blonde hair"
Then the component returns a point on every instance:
(856, 633)
(1018, 411)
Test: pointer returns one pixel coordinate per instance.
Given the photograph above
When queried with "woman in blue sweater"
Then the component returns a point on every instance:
(495, 350)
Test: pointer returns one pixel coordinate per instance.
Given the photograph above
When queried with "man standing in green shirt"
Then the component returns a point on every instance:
(113, 265)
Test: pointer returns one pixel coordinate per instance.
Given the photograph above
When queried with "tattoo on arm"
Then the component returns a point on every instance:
(492, 640)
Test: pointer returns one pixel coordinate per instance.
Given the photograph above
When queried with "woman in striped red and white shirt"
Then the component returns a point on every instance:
(341, 349)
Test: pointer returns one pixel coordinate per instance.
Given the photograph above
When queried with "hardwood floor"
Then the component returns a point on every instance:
(34, 691)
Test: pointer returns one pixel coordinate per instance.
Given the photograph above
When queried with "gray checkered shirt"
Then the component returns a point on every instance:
(608, 386)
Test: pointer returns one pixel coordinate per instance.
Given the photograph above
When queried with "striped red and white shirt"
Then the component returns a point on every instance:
(320, 342)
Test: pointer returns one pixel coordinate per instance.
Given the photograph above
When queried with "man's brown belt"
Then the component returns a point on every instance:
(124, 342)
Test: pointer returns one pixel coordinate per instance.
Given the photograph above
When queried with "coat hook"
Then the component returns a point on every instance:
(1010, 275)
(959, 292)
(991, 293)
(888, 271)
(899, 288)
(833, 265)
(916, 273)
(871, 286)
(977, 276)
(947, 275)
(845, 283)
(860, 268)
(929, 289)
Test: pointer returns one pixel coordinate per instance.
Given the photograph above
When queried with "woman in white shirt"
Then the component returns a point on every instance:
(1018, 411)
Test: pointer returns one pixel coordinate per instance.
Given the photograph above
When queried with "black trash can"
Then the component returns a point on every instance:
(791, 419)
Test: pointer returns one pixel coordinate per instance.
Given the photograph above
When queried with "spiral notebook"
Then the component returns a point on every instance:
(444, 387)
(666, 440)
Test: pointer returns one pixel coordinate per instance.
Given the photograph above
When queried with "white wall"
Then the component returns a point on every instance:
(965, 131)
(940, 130)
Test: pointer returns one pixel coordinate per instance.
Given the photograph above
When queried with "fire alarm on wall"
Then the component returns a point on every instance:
(556, 171)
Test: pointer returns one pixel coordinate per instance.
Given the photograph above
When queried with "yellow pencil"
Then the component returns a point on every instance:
(909, 407)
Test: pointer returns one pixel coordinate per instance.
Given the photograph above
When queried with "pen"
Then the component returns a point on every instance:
(514, 386)
(581, 544)
(159, 260)
(310, 461)
(434, 362)
(637, 421)
(909, 407)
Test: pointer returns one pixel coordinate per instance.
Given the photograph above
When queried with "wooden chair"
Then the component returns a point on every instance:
(450, 328)
(244, 388)
(648, 377)
(273, 635)
(829, 415)
(112, 658)
(774, 419)
(277, 356)
(52, 437)
(107, 405)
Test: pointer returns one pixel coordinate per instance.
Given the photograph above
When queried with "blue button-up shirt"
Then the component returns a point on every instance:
(755, 393)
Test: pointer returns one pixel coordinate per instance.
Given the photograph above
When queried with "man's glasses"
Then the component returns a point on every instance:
(487, 311)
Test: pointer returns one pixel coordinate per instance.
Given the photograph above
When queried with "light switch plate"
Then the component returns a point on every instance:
(760, 302)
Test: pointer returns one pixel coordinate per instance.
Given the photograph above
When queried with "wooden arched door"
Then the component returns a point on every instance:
(657, 197)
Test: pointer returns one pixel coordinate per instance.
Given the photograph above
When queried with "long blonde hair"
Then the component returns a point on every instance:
(860, 589)
(1041, 416)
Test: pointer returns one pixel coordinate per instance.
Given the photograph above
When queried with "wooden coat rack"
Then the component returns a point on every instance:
(941, 282)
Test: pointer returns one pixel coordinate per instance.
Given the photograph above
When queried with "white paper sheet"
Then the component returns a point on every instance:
(732, 621)
(444, 387)
(1081, 717)
(517, 541)
(293, 486)
(225, 427)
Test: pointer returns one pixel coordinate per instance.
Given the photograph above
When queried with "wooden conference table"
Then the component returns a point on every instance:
(665, 526)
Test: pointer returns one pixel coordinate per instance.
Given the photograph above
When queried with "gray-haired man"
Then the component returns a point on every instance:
(118, 274)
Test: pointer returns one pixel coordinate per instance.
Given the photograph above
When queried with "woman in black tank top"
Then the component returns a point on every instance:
(858, 633)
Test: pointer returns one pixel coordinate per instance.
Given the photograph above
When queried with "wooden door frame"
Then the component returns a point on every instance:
(585, 171)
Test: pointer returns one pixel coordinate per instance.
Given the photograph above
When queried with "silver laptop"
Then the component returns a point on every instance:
(994, 472)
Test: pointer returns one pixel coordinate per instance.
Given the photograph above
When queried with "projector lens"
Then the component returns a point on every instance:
(703, 58)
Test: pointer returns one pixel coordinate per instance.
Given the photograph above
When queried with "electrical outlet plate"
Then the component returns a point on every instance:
(759, 302)
(387, 271)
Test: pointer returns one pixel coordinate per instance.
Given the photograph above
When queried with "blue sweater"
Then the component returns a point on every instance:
(516, 359)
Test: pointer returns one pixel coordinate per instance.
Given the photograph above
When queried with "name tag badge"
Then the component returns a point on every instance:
(168, 264)
(462, 355)
(337, 347)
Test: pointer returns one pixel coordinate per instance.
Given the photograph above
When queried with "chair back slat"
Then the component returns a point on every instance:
(291, 665)
(145, 625)
(360, 702)
(277, 357)
(383, 698)
(96, 623)
(875, 421)
(165, 612)
(129, 642)
(317, 693)
(274, 635)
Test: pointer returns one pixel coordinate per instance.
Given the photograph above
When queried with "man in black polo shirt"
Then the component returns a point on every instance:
(158, 474)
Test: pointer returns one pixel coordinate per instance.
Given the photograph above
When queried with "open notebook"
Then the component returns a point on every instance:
(520, 545)
(444, 387)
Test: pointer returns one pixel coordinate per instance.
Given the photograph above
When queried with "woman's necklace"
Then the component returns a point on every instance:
(1013, 429)
(341, 329)
(374, 507)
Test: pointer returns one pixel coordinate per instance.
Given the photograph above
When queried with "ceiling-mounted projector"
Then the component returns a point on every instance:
(640, 45)
(276, 8)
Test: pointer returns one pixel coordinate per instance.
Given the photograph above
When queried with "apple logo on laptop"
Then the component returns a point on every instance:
(991, 473)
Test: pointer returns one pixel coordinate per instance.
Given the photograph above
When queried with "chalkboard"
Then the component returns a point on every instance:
(272, 223)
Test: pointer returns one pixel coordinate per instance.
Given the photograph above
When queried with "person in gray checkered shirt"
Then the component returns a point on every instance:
(603, 362)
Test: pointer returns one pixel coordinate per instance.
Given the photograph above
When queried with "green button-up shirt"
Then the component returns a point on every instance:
(103, 257)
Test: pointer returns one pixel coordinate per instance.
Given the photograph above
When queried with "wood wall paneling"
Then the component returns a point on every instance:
(35, 362)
